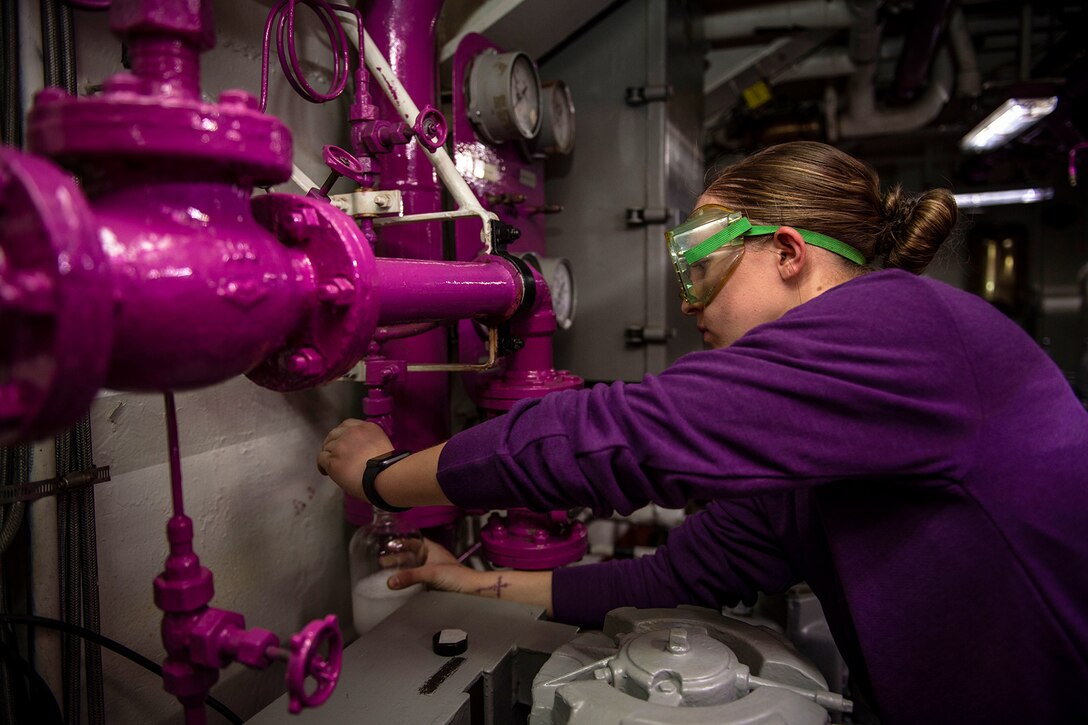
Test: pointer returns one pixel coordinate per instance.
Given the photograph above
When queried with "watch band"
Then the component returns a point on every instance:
(375, 466)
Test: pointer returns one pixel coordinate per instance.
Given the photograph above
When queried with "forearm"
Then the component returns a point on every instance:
(414, 480)
(525, 587)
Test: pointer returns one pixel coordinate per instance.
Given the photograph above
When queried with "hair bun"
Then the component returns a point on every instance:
(915, 227)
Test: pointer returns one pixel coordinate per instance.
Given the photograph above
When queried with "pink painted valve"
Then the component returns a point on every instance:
(316, 652)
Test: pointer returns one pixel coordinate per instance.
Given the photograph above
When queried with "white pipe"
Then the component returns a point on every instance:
(862, 118)
(798, 14)
(406, 107)
(300, 178)
(968, 79)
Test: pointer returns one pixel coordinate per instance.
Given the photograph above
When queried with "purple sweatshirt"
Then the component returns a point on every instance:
(896, 443)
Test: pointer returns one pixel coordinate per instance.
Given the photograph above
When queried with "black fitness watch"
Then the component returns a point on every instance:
(375, 466)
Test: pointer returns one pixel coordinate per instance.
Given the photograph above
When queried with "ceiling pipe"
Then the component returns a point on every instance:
(968, 77)
(801, 14)
(920, 48)
(862, 117)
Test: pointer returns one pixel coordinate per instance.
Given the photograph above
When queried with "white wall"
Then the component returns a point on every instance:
(267, 525)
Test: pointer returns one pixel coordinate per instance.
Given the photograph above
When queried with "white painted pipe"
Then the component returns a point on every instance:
(406, 107)
(864, 119)
(968, 78)
(798, 14)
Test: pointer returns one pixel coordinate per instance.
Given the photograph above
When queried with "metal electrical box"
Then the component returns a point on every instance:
(636, 74)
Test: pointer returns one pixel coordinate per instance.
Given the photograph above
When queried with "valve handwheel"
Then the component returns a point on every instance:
(343, 162)
(316, 653)
(430, 128)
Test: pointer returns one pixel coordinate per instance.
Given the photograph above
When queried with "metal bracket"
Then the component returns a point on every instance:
(52, 486)
(368, 203)
(640, 217)
(635, 336)
(641, 95)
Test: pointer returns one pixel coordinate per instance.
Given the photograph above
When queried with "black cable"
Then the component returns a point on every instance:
(113, 646)
(38, 701)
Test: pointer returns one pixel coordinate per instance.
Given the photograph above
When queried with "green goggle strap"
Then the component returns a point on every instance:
(817, 240)
(743, 227)
(716, 241)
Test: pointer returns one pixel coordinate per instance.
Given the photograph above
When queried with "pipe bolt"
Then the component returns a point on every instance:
(382, 201)
(338, 291)
(122, 83)
(11, 403)
(50, 95)
(305, 362)
(239, 97)
(667, 687)
(602, 674)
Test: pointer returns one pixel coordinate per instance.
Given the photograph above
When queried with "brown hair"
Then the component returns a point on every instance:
(817, 187)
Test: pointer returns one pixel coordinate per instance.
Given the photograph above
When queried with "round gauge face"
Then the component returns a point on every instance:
(525, 92)
(562, 117)
(504, 97)
(561, 286)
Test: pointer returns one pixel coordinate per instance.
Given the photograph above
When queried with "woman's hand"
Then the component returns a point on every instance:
(441, 571)
(346, 450)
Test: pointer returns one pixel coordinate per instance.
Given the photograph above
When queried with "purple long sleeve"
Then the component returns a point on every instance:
(896, 443)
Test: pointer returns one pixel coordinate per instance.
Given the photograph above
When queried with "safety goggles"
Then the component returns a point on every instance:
(707, 248)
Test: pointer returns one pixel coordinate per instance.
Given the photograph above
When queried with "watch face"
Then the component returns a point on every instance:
(385, 457)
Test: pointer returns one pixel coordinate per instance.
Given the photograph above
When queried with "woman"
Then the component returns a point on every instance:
(895, 443)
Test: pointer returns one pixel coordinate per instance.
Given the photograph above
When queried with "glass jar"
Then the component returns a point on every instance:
(375, 553)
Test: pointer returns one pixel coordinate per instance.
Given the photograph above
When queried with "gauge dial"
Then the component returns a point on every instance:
(557, 128)
(559, 275)
(504, 96)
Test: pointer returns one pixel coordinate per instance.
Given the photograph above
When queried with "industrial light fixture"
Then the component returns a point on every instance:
(978, 199)
(1006, 123)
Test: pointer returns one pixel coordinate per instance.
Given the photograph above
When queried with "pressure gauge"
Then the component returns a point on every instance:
(504, 96)
(557, 128)
(559, 275)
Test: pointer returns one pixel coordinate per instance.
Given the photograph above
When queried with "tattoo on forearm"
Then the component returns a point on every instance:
(497, 587)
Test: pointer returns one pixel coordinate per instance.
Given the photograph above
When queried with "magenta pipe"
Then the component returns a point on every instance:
(422, 290)
(203, 292)
(405, 32)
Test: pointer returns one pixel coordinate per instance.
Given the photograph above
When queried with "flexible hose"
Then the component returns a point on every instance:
(282, 16)
(50, 46)
(11, 122)
(14, 469)
(113, 646)
(68, 582)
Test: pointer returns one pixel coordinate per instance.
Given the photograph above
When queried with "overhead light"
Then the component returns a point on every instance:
(1000, 198)
(1006, 123)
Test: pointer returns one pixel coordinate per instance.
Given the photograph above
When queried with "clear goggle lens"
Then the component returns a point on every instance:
(705, 250)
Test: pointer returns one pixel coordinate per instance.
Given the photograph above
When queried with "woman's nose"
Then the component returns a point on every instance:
(687, 308)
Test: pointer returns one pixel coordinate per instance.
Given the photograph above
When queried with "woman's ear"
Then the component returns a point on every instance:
(791, 250)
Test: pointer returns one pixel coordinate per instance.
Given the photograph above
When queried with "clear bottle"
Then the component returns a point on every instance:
(375, 553)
